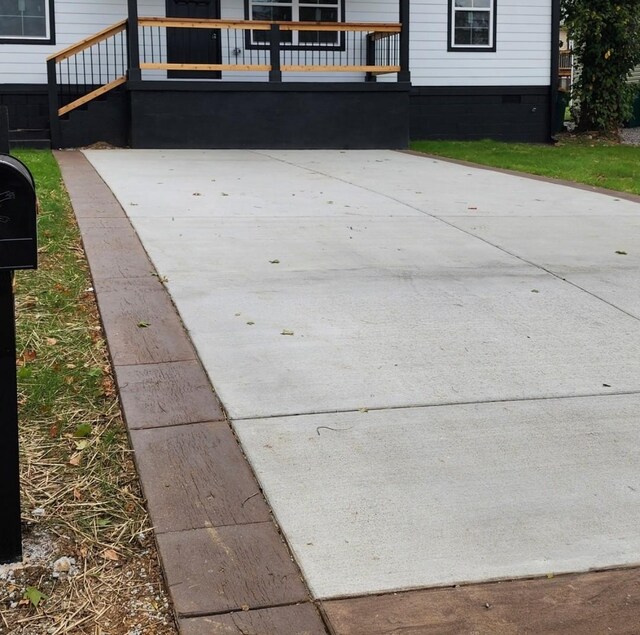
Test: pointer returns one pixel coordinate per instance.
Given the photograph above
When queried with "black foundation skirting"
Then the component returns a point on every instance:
(196, 114)
(27, 105)
(103, 120)
(263, 115)
(506, 113)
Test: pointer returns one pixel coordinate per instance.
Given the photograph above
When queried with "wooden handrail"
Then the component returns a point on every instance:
(173, 66)
(87, 42)
(340, 26)
(205, 23)
(92, 95)
(363, 68)
(264, 25)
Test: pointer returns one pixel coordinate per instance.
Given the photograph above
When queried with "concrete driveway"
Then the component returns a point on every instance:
(434, 370)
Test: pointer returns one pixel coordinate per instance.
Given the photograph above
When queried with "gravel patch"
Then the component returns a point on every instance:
(630, 136)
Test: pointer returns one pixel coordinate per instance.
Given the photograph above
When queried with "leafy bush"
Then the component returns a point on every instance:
(606, 37)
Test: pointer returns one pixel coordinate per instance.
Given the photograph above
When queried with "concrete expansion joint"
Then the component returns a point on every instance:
(420, 406)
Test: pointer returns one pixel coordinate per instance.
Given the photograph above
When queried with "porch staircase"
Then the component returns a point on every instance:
(103, 120)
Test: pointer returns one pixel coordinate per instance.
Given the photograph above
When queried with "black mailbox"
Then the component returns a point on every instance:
(18, 206)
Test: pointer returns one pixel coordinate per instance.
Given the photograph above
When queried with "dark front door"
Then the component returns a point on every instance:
(193, 46)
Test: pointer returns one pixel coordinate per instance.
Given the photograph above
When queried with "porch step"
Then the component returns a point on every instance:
(37, 138)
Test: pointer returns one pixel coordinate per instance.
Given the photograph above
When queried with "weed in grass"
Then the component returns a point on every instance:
(80, 493)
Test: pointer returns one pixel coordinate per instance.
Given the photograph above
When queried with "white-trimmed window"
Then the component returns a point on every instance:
(25, 21)
(297, 11)
(472, 25)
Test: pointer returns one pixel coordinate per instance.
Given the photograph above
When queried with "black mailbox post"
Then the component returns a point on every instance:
(18, 250)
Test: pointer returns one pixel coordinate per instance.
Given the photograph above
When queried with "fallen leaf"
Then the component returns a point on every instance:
(286, 332)
(51, 341)
(245, 607)
(110, 554)
(77, 494)
(33, 595)
(28, 356)
(75, 459)
(196, 194)
(143, 325)
(621, 253)
(250, 323)
(82, 444)
(82, 430)
(535, 291)
(274, 262)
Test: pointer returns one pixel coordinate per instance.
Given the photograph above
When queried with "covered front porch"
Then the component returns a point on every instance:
(203, 82)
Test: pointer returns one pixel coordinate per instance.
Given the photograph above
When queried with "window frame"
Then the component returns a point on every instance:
(50, 38)
(339, 46)
(452, 47)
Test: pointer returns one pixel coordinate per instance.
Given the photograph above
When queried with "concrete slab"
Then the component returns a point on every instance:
(444, 188)
(378, 340)
(588, 255)
(435, 496)
(192, 183)
(324, 282)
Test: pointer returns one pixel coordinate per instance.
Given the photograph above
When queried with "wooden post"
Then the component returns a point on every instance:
(371, 57)
(10, 529)
(133, 48)
(404, 10)
(275, 74)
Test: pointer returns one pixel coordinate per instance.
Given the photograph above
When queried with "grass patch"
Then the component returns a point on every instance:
(597, 162)
(80, 494)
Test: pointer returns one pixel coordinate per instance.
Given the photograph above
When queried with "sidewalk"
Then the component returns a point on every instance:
(431, 388)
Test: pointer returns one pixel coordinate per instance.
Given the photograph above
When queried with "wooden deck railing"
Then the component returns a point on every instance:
(276, 47)
(102, 62)
(88, 69)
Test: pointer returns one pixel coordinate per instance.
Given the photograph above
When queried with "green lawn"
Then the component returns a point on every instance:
(593, 162)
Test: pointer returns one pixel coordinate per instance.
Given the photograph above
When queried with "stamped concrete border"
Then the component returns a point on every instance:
(227, 567)
(226, 564)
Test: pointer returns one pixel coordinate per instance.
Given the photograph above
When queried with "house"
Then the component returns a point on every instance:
(278, 73)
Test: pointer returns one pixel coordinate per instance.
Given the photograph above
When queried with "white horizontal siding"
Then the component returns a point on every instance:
(522, 57)
(74, 21)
